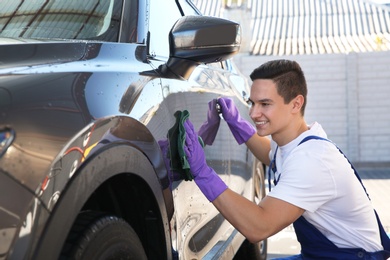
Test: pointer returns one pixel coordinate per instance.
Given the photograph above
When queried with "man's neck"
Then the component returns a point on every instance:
(290, 133)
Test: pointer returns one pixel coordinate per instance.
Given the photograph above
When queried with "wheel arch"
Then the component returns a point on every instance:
(118, 169)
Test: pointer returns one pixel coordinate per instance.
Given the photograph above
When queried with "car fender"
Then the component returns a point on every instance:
(138, 155)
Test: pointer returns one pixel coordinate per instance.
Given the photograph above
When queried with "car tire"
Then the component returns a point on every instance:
(248, 250)
(100, 236)
(252, 251)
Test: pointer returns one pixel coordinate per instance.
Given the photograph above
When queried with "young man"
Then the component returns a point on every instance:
(315, 185)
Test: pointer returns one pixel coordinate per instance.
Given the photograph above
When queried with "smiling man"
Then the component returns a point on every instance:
(316, 187)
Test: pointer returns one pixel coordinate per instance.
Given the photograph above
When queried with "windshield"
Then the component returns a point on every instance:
(60, 19)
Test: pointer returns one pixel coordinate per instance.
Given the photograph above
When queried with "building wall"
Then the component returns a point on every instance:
(349, 95)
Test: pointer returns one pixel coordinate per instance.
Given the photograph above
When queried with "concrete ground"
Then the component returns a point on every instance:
(376, 179)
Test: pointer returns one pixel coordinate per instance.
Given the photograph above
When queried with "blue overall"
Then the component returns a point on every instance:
(314, 245)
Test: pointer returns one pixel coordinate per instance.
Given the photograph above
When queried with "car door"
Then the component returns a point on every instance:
(198, 228)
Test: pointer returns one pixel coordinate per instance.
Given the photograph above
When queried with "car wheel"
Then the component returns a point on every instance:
(252, 251)
(248, 250)
(259, 180)
(100, 236)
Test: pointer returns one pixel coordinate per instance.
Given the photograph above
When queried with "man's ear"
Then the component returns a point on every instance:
(297, 103)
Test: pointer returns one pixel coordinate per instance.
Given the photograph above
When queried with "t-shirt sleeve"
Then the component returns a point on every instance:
(306, 180)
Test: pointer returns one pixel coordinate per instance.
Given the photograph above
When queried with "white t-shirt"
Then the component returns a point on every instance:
(316, 177)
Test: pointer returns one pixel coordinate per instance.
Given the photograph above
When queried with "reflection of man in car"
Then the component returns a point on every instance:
(172, 148)
(316, 188)
(126, 131)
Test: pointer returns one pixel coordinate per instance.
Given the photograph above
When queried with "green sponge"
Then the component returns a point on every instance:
(177, 137)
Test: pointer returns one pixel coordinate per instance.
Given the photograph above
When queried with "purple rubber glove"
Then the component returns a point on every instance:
(241, 129)
(208, 130)
(205, 177)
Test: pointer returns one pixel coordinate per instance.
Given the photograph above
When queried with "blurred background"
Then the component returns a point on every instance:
(343, 47)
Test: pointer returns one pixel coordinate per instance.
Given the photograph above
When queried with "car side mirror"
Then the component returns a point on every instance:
(195, 40)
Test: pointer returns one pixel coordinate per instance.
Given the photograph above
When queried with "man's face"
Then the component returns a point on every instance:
(268, 111)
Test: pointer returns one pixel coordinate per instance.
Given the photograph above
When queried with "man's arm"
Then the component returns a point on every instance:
(256, 222)
(260, 146)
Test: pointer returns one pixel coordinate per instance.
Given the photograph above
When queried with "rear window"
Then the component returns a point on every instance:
(61, 19)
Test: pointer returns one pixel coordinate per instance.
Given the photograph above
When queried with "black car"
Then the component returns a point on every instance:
(88, 92)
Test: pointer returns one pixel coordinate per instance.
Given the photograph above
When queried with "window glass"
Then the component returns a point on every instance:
(60, 19)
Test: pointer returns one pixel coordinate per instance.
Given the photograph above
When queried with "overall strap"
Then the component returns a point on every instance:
(272, 166)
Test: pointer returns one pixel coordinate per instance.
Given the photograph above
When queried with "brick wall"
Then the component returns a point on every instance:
(349, 95)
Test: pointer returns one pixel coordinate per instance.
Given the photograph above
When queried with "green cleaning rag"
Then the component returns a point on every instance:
(177, 137)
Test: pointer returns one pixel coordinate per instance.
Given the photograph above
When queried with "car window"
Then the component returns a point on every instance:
(163, 15)
(60, 19)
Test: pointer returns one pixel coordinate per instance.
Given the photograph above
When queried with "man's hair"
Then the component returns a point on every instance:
(288, 77)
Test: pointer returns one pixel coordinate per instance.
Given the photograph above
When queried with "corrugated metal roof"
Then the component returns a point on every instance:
(290, 27)
(209, 7)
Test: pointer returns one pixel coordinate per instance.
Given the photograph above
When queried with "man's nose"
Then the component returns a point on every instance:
(255, 111)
